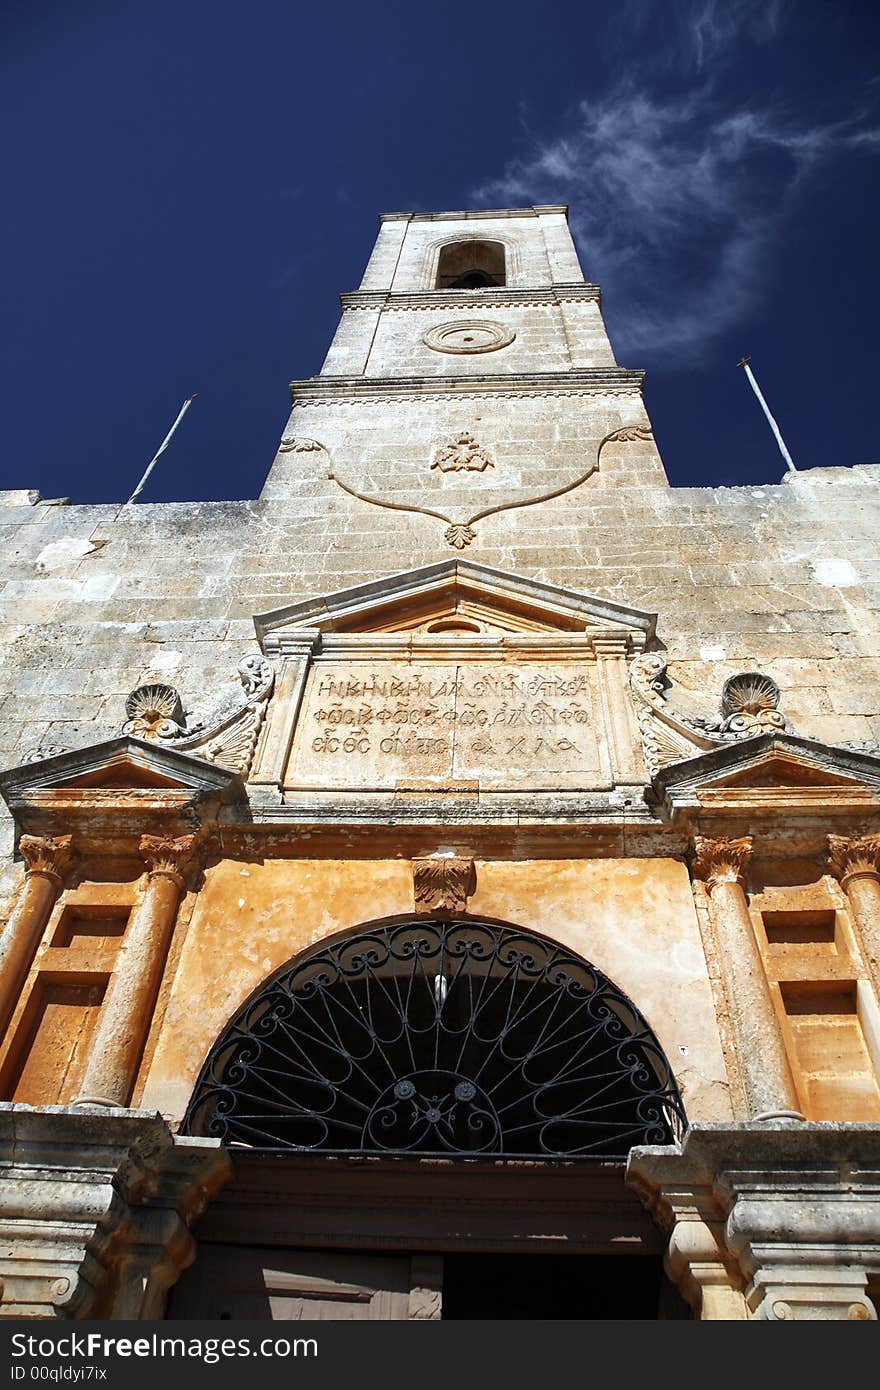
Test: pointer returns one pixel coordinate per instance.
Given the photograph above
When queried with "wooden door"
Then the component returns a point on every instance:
(275, 1284)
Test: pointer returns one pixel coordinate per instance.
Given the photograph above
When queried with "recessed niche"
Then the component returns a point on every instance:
(48, 1058)
(810, 927)
(91, 924)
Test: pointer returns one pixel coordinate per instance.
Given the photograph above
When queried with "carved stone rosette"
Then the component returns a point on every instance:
(443, 883)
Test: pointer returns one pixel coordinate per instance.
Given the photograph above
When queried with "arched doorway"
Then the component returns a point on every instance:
(475, 1067)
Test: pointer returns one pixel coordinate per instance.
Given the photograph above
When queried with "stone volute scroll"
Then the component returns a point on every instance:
(48, 860)
(855, 861)
(131, 996)
(443, 883)
(721, 864)
(224, 730)
(673, 726)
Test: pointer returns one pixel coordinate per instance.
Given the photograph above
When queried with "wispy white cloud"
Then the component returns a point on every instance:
(678, 203)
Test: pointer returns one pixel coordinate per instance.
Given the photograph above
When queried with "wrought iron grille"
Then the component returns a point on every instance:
(439, 1037)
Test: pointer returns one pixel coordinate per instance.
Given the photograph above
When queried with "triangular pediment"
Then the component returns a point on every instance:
(456, 597)
(124, 764)
(774, 769)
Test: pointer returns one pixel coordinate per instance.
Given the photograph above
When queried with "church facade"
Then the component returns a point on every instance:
(449, 884)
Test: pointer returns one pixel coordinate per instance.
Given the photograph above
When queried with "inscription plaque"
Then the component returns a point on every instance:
(380, 725)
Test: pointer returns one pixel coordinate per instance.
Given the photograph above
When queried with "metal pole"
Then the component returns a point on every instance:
(789, 461)
(161, 449)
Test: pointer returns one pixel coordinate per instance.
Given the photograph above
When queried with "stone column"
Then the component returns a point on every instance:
(619, 713)
(766, 1072)
(856, 862)
(48, 861)
(131, 996)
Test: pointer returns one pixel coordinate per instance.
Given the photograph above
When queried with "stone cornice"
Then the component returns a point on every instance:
(579, 382)
(506, 296)
(475, 214)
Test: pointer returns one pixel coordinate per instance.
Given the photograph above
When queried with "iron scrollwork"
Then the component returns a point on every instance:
(439, 1037)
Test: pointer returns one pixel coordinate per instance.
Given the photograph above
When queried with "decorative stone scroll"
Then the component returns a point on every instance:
(297, 444)
(443, 883)
(749, 708)
(226, 732)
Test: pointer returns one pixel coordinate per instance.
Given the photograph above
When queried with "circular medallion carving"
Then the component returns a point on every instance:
(475, 335)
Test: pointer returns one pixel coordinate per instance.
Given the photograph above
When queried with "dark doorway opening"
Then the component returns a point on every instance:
(558, 1286)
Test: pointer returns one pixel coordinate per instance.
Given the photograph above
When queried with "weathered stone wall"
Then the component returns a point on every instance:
(96, 600)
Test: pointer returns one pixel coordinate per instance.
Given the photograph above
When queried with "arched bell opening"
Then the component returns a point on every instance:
(443, 1037)
(467, 265)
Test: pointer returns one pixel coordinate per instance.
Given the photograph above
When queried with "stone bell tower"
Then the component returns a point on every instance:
(471, 375)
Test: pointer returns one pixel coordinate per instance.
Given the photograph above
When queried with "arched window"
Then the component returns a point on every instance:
(439, 1037)
(468, 265)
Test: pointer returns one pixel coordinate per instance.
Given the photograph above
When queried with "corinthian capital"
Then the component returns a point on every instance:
(164, 854)
(721, 861)
(854, 854)
(51, 857)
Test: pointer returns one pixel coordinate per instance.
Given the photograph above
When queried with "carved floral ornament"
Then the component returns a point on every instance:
(443, 883)
(169, 855)
(671, 730)
(224, 731)
(464, 454)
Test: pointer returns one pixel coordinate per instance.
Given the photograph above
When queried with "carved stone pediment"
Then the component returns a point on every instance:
(474, 597)
(117, 785)
(774, 774)
(452, 677)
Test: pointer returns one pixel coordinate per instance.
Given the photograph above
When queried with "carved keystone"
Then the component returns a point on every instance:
(443, 883)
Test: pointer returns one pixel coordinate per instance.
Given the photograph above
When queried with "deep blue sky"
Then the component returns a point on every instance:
(189, 186)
